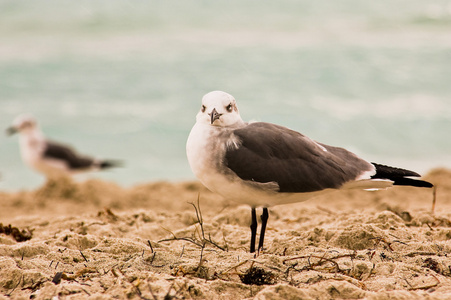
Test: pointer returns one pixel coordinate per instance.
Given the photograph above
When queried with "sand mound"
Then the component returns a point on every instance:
(98, 240)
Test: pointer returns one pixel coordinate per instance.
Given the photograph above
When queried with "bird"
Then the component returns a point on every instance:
(263, 164)
(51, 158)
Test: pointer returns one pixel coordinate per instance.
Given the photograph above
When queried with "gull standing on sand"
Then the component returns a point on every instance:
(51, 158)
(263, 164)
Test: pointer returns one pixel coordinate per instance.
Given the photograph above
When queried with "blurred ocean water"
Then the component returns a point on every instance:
(124, 79)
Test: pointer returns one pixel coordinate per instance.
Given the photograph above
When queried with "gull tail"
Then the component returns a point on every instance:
(106, 164)
(399, 176)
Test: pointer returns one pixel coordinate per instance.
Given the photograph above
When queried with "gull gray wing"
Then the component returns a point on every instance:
(273, 153)
(68, 155)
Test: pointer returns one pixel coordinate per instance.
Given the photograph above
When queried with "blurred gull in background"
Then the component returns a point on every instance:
(51, 158)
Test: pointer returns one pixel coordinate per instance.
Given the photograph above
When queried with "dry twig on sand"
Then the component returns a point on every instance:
(197, 238)
(321, 261)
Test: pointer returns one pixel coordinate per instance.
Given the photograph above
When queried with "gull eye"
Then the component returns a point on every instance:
(203, 108)
(229, 108)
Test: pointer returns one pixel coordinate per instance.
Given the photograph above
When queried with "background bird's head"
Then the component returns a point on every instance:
(22, 124)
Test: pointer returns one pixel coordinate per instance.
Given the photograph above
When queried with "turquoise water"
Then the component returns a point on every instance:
(124, 79)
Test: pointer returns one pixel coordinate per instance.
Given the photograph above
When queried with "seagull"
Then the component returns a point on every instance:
(262, 164)
(48, 157)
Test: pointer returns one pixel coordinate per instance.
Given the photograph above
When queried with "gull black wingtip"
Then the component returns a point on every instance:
(413, 182)
(400, 176)
(110, 163)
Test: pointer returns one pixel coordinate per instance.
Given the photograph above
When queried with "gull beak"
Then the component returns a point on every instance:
(214, 115)
(11, 130)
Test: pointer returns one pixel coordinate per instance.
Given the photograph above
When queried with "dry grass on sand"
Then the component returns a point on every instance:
(97, 240)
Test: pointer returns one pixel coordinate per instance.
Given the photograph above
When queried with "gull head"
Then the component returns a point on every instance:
(219, 109)
(22, 124)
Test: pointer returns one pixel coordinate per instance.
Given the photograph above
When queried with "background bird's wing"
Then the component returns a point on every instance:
(62, 152)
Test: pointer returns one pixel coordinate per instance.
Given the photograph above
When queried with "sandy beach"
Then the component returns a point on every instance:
(164, 240)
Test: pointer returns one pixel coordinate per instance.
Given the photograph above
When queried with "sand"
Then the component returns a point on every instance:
(95, 240)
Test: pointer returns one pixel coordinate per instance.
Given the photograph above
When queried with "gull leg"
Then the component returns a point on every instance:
(264, 217)
(253, 229)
